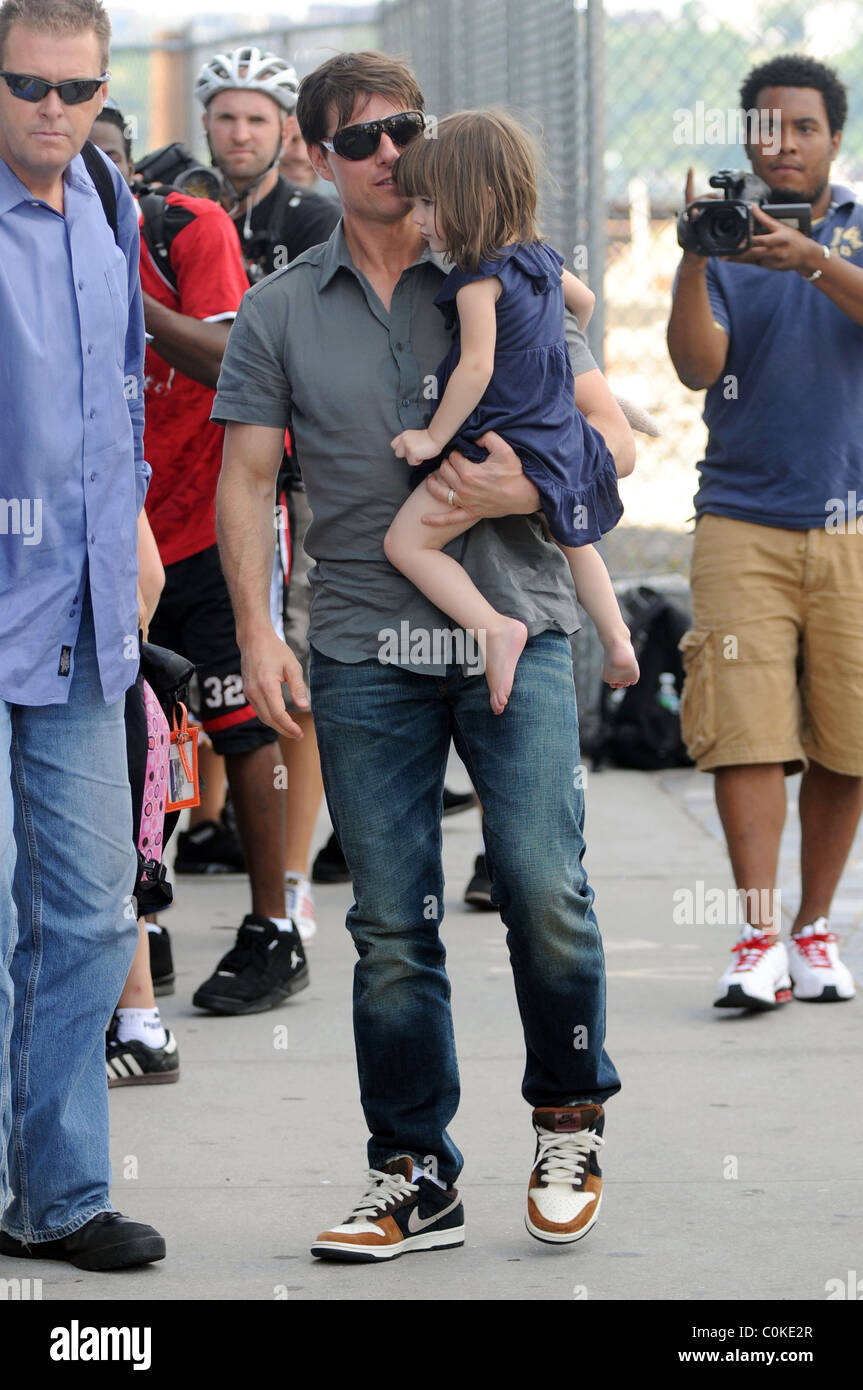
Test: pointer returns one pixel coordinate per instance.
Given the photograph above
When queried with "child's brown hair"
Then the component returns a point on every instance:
(479, 168)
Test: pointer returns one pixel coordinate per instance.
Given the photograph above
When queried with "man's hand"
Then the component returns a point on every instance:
(495, 487)
(267, 662)
(781, 248)
(414, 445)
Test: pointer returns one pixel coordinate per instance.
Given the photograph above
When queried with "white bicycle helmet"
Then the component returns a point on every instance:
(248, 70)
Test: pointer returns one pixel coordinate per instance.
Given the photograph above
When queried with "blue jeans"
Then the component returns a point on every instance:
(67, 938)
(384, 736)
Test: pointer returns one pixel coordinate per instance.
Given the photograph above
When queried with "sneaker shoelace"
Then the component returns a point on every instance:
(814, 948)
(561, 1157)
(750, 953)
(384, 1189)
(248, 945)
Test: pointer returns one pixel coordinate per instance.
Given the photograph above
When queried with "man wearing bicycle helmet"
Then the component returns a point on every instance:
(249, 98)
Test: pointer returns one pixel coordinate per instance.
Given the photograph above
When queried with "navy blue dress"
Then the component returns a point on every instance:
(530, 398)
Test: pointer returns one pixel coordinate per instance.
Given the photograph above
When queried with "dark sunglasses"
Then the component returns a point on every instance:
(359, 141)
(72, 93)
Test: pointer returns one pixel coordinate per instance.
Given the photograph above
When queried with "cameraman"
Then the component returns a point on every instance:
(774, 662)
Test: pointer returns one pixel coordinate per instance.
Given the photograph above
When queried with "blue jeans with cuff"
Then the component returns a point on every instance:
(384, 736)
(67, 937)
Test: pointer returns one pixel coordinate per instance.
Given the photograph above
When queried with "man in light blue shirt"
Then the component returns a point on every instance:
(72, 480)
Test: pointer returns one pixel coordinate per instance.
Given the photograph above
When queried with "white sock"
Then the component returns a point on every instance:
(421, 1173)
(144, 1025)
(283, 923)
(154, 928)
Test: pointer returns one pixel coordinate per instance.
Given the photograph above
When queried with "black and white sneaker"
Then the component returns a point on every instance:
(133, 1063)
(395, 1216)
(263, 969)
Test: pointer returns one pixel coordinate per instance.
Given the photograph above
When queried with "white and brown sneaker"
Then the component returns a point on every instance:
(565, 1189)
(395, 1216)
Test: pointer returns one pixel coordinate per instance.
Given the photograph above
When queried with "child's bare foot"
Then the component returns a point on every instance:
(619, 666)
(503, 647)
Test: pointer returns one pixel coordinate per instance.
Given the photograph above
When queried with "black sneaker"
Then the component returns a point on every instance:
(210, 848)
(161, 962)
(133, 1063)
(478, 891)
(453, 802)
(107, 1241)
(262, 970)
(330, 866)
(394, 1217)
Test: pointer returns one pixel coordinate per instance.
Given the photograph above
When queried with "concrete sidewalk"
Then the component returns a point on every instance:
(732, 1161)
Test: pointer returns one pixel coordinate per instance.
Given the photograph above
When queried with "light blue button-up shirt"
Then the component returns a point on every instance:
(72, 470)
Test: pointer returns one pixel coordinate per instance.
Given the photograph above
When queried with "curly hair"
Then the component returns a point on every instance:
(796, 70)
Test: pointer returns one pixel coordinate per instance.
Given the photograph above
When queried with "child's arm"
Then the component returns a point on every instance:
(464, 390)
(578, 298)
(151, 574)
(597, 598)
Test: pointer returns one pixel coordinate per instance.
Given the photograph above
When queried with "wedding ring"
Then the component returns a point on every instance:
(450, 497)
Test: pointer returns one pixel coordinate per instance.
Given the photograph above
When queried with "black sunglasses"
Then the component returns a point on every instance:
(359, 141)
(72, 93)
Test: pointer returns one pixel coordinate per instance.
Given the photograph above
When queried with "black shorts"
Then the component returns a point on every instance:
(195, 618)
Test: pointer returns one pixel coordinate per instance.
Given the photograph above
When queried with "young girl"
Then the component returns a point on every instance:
(474, 192)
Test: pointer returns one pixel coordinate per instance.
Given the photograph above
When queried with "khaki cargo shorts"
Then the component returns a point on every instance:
(774, 660)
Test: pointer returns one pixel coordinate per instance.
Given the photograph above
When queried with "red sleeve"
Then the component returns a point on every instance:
(207, 262)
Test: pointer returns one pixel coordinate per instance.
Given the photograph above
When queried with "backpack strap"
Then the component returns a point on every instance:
(98, 171)
(152, 205)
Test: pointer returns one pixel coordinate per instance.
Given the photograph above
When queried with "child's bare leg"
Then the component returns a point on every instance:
(416, 550)
(138, 989)
(597, 597)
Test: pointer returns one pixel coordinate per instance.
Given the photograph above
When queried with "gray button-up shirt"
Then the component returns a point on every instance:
(313, 348)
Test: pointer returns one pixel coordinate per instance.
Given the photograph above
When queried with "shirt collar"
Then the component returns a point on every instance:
(13, 191)
(336, 256)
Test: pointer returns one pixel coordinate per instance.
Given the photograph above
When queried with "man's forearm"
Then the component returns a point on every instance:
(193, 347)
(696, 344)
(839, 280)
(244, 524)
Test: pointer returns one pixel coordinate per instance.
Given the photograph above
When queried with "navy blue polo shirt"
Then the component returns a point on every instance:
(786, 414)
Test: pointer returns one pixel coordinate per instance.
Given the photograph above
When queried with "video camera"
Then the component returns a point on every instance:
(726, 227)
(177, 166)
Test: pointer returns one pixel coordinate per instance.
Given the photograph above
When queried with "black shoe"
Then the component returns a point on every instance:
(209, 849)
(108, 1241)
(478, 891)
(262, 970)
(330, 866)
(161, 962)
(133, 1063)
(453, 802)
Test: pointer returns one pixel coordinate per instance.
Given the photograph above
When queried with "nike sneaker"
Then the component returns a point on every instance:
(264, 968)
(395, 1216)
(757, 977)
(815, 968)
(565, 1189)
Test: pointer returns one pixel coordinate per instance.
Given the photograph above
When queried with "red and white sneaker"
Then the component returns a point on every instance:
(565, 1189)
(758, 976)
(299, 905)
(813, 960)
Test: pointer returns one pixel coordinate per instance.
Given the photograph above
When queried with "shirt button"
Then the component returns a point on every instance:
(80, 284)
(406, 401)
(73, 614)
(75, 599)
(92, 414)
(92, 538)
(89, 349)
(92, 477)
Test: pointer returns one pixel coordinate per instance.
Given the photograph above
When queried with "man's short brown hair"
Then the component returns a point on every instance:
(60, 18)
(340, 81)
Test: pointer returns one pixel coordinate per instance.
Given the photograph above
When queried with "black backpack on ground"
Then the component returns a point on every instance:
(640, 725)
